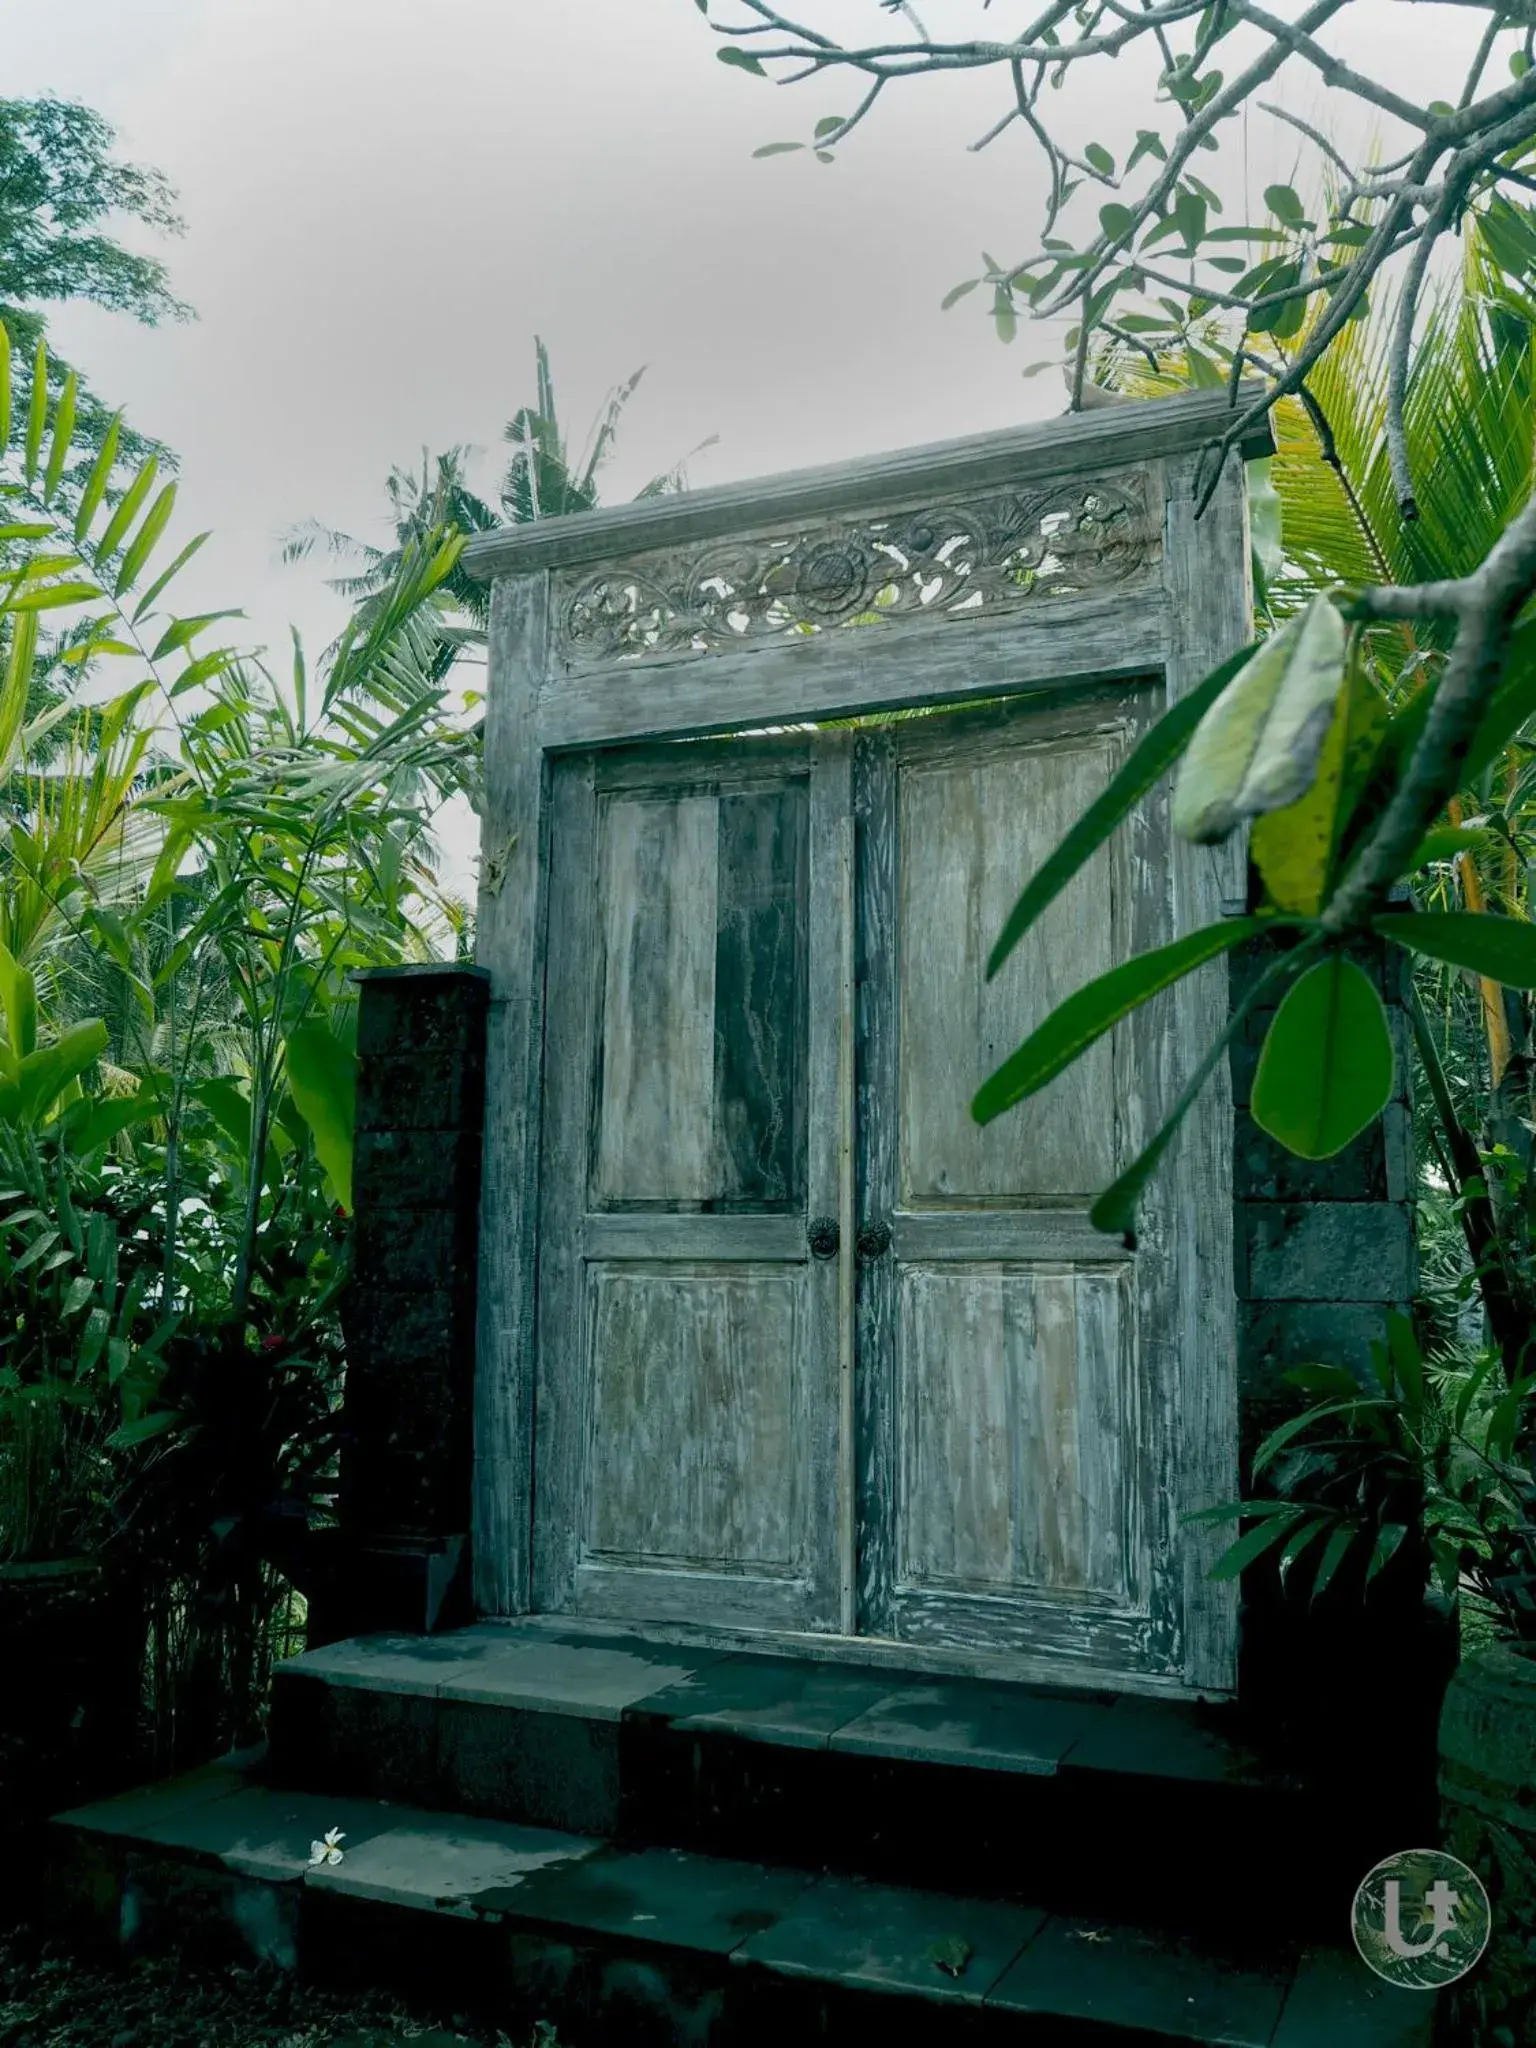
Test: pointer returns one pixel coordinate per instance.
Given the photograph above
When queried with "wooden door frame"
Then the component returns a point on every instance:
(1184, 605)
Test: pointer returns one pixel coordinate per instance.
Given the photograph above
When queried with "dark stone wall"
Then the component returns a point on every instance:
(408, 1409)
(1324, 1250)
(1323, 1247)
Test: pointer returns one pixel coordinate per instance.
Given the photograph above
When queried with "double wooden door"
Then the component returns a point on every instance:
(816, 1352)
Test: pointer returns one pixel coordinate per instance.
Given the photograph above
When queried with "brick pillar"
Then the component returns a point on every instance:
(403, 1552)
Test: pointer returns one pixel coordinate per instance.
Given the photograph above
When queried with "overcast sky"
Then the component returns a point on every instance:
(387, 199)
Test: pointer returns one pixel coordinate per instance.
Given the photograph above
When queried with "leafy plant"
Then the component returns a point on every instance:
(195, 867)
(1420, 1456)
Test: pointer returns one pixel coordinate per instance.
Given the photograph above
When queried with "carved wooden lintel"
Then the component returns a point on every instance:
(963, 558)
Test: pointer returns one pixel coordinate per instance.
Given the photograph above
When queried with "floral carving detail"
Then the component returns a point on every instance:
(973, 558)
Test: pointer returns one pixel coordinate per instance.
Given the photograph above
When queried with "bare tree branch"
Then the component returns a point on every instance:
(1459, 155)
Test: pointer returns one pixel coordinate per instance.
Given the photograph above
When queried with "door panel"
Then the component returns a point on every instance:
(1014, 1375)
(694, 1459)
(701, 1028)
(1017, 1402)
(970, 830)
(687, 1428)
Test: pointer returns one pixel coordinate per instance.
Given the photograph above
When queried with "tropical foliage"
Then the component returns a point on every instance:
(198, 854)
(1440, 1439)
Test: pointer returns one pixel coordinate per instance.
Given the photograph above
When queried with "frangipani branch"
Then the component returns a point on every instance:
(1461, 157)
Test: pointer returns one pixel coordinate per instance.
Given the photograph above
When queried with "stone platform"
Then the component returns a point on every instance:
(645, 1842)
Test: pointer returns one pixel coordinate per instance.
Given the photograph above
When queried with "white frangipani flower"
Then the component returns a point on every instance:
(327, 1851)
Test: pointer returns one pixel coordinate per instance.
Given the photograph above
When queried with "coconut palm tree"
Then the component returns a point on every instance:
(541, 481)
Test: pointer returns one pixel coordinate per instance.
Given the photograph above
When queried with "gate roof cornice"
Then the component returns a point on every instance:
(1075, 444)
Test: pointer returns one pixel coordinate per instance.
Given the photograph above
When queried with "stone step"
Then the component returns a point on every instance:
(1138, 1808)
(664, 1946)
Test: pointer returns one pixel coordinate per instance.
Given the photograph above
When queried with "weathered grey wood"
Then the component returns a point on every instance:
(686, 1432)
(1070, 641)
(970, 832)
(847, 1219)
(1073, 445)
(875, 1402)
(562, 1418)
(509, 941)
(754, 763)
(1000, 1236)
(655, 1111)
(828, 1168)
(656, 1234)
(1019, 1411)
(693, 1419)
(759, 997)
(1010, 1495)
(1210, 613)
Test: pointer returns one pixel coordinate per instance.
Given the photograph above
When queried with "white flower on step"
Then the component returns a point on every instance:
(327, 1851)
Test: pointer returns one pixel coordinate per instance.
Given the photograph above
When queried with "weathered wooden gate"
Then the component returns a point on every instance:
(773, 1336)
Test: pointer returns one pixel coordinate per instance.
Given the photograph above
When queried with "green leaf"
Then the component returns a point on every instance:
(1250, 1548)
(165, 576)
(1115, 219)
(1501, 949)
(829, 125)
(1084, 1017)
(1333, 1556)
(1148, 143)
(1519, 63)
(181, 632)
(958, 292)
(777, 148)
(126, 508)
(743, 60)
(144, 540)
(1294, 849)
(1293, 1427)
(63, 435)
(18, 1003)
(1100, 158)
(1264, 512)
(45, 1074)
(1297, 1541)
(37, 411)
(1325, 1072)
(1203, 373)
(1285, 204)
(99, 1121)
(322, 1075)
(1154, 754)
(96, 484)
(1406, 1357)
(230, 1107)
(1446, 842)
(143, 1429)
(50, 596)
(1324, 1379)
(1257, 748)
(77, 1294)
